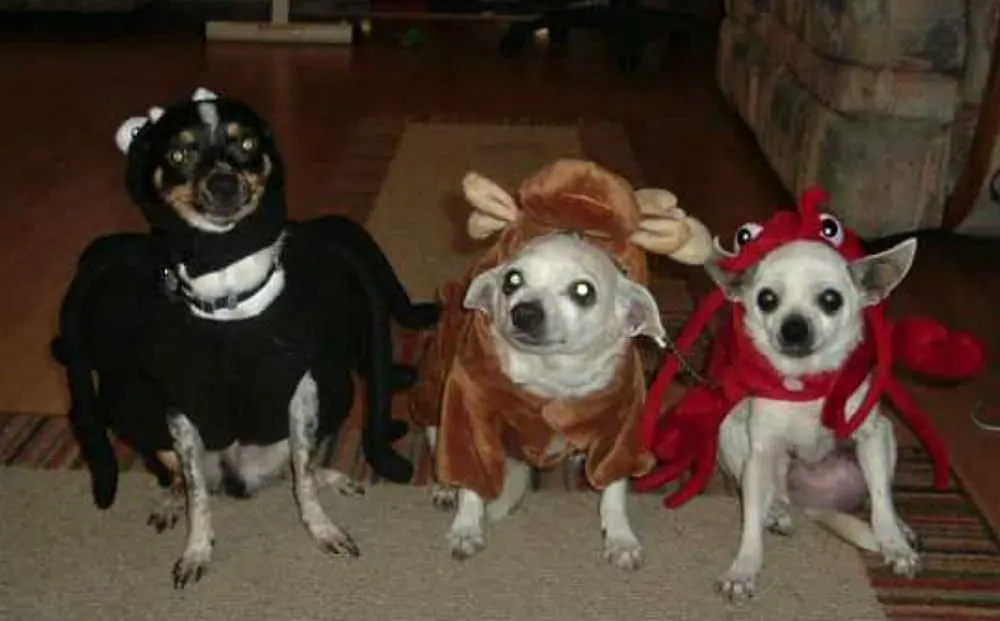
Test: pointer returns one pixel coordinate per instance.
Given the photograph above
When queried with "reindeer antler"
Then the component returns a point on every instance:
(666, 229)
(494, 207)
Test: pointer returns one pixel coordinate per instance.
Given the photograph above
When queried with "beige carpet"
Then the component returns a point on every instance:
(419, 215)
(63, 560)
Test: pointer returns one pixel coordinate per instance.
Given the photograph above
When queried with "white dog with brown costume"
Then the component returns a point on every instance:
(562, 317)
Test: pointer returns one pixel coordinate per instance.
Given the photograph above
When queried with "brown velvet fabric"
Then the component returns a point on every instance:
(575, 195)
(481, 416)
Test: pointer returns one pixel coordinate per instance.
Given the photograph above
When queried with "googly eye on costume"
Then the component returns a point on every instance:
(127, 131)
(831, 229)
(746, 234)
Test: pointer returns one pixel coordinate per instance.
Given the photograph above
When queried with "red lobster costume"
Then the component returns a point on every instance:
(686, 438)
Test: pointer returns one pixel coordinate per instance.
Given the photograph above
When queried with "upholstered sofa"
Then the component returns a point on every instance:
(875, 100)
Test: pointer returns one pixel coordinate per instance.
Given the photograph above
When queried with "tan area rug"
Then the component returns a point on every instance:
(419, 215)
(64, 560)
(59, 553)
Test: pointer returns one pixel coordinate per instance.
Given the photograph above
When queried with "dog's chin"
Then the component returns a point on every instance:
(533, 344)
(226, 218)
(796, 352)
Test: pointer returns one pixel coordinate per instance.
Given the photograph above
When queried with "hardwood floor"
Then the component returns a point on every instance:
(70, 84)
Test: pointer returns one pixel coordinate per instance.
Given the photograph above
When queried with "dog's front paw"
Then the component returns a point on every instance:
(465, 542)
(903, 560)
(444, 497)
(166, 513)
(779, 519)
(191, 567)
(623, 552)
(335, 542)
(339, 482)
(739, 582)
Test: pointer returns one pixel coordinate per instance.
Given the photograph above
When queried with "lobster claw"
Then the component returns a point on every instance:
(927, 347)
(686, 440)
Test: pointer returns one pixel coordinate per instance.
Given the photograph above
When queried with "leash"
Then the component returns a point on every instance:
(685, 366)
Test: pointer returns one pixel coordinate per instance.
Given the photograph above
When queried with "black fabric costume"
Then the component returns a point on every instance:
(124, 318)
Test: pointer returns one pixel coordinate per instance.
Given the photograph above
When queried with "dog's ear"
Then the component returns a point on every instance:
(642, 315)
(479, 295)
(878, 274)
(732, 284)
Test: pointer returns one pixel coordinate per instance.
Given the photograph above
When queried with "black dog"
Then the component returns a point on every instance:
(223, 341)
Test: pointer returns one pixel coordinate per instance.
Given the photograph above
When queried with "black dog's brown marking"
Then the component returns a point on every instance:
(197, 153)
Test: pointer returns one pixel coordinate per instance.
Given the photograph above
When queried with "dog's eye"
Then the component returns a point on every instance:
(249, 144)
(177, 156)
(583, 293)
(746, 234)
(767, 300)
(830, 301)
(831, 229)
(512, 282)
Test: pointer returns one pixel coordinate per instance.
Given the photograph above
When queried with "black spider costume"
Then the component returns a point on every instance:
(125, 320)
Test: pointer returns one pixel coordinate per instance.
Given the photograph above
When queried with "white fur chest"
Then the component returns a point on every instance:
(798, 425)
(560, 376)
(235, 278)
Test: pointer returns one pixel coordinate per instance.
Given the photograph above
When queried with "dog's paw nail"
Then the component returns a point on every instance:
(738, 586)
(189, 569)
(465, 544)
(342, 548)
(623, 553)
(338, 543)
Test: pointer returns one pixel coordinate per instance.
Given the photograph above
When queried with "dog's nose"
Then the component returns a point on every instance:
(527, 316)
(223, 186)
(795, 332)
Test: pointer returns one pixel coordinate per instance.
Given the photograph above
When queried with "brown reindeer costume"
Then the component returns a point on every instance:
(482, 416)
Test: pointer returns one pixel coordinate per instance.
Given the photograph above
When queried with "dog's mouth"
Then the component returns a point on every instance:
(224, 196)
(533, 342)
(796, 351)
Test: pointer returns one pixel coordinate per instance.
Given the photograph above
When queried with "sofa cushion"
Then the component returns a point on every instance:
(885, 173)
(851, 88)
(912, 35)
